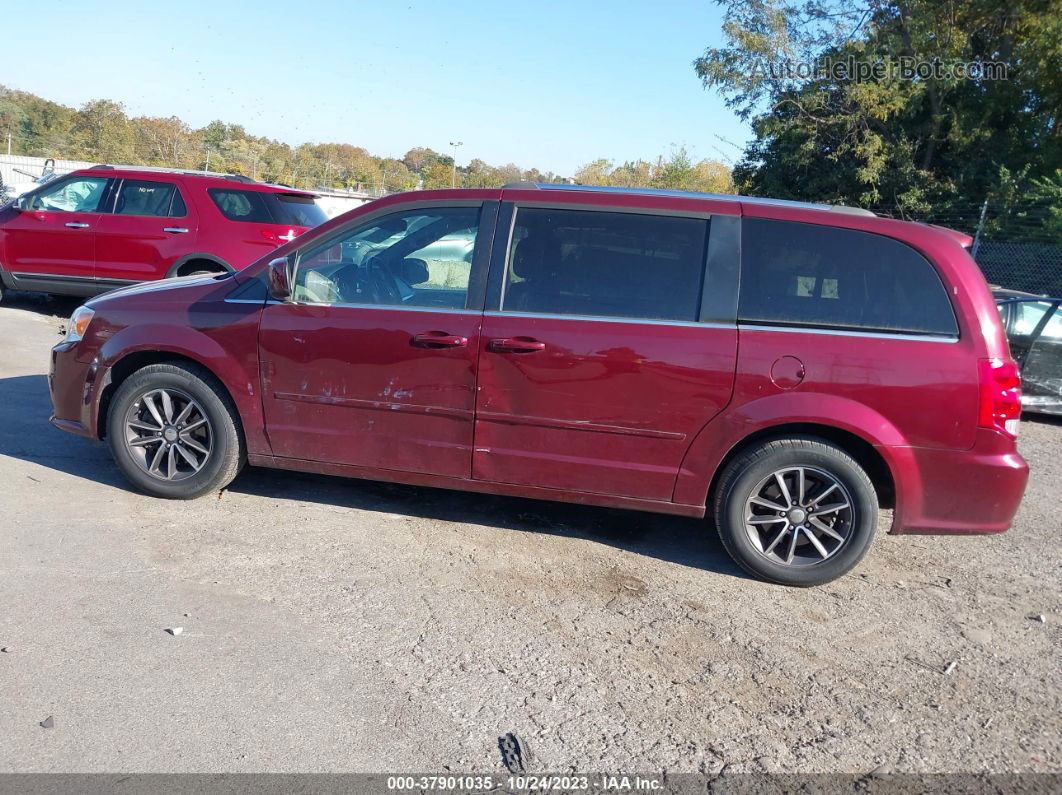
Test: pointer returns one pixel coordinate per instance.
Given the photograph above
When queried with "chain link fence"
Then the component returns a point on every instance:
(1018, 246)
(1019, 265)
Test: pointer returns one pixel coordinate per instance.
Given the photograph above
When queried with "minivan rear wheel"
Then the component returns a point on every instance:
(796, 511)
(173, 431)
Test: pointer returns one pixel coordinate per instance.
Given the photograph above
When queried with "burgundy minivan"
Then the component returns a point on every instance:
(785, 369)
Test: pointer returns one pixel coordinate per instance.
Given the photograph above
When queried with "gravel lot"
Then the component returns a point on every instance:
(333, 625)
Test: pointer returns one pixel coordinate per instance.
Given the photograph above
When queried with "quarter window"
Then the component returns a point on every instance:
(819, 276)
(242, 205)
(420, 258)
(625, 265)
(152, 199)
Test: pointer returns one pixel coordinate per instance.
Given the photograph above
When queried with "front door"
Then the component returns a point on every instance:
(373, 361)
(150, 228)
(597, 366)
(52, 240)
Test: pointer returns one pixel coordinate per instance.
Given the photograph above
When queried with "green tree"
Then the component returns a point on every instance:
(677, 171)
(101, 131)
(916, 145)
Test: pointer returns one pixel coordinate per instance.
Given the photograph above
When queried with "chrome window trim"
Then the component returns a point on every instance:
(399, 307)
(609, 319)
(874, 335)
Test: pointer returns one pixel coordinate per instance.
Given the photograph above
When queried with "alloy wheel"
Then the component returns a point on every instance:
(799, 516)
(168, 434)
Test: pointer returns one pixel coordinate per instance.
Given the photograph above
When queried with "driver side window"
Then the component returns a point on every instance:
(79, 195)
(415, 258)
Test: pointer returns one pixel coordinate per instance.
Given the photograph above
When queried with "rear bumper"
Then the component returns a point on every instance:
(958, 492)
(75, 389)
(1042, 404)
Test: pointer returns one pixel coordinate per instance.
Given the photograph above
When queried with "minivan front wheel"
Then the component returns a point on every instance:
(173, 431)
(797, 511)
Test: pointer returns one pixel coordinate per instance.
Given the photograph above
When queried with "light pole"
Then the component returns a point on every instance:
(453, 178)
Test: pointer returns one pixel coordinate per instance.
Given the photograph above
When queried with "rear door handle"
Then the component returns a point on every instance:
(76, 225)
(515, 345)
(439, 339)
(177, 230)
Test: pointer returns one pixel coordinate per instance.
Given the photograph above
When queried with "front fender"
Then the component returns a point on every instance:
(237, 373)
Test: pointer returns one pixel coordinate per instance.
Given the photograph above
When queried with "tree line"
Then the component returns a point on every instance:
(102, 131)
(933, 146)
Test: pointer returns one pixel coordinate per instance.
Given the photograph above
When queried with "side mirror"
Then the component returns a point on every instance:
(281, 270)
(22, 203)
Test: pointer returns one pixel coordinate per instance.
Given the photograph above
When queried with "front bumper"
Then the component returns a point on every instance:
(959, 492)
(75, 389)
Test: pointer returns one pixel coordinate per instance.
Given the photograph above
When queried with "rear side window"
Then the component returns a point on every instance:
(242, 205)
(819, 276)
(285, 209)
(624, 265)
(151, 199)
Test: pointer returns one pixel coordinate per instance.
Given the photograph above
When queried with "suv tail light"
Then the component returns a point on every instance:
(279, 237)
(1000, 397)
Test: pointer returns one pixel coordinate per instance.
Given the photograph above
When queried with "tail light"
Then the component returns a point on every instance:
(280, 238)
(1000, 397)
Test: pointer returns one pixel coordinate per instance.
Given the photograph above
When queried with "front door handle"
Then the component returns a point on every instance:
(516, 345)
(76, 225)
(177, 230)
(439, 339)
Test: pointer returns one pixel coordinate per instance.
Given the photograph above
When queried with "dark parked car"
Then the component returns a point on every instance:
(1034, 328)
(106, 227)
(782, 368)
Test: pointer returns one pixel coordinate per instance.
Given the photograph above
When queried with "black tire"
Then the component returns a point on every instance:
(753, 468)
(200, 268)
(226, 451)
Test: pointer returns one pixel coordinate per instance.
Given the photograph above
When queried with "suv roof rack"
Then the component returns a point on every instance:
(183, 171)
(682, 194)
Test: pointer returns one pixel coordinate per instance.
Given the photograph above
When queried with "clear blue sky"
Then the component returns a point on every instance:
(542, 83)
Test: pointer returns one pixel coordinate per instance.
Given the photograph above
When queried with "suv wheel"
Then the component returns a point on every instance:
(796, 511)
(173, 431)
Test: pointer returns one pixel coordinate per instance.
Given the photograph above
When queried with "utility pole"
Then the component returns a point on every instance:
(9, 144)
(980, 227)
(453, 177)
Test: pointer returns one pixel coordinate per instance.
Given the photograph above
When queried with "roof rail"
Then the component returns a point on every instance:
(184, 171)
(682, 194)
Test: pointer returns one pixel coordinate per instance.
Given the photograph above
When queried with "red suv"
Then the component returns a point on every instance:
(106, 227)
(782, 368)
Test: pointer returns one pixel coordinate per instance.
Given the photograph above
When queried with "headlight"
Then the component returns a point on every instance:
(79, 323)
